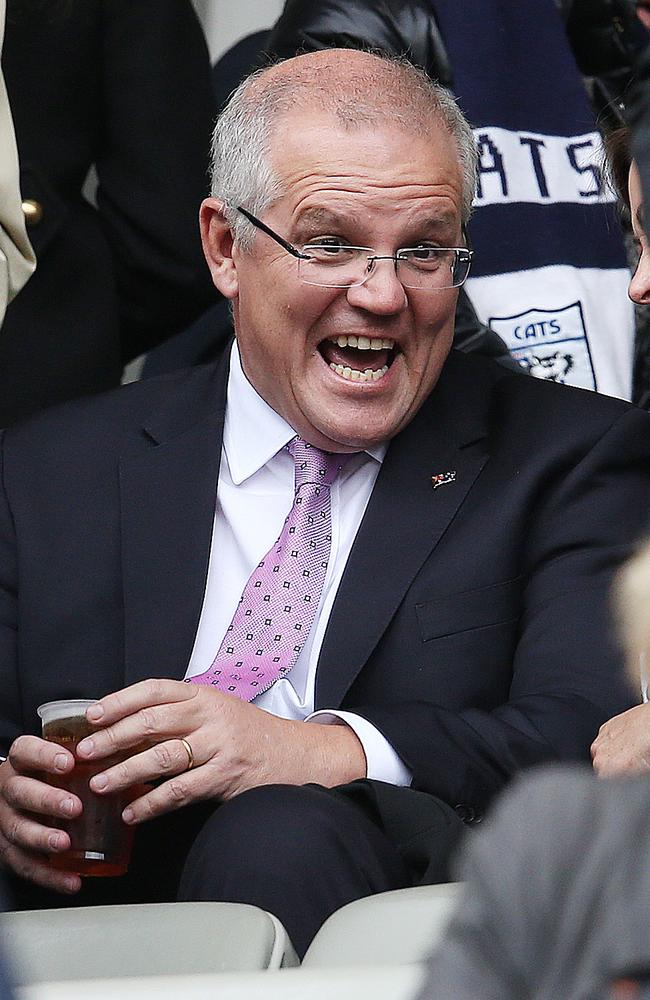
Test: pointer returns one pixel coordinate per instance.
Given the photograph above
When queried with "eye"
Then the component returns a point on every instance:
(425, 253)
(331, 243)
(332, 249)
(426, 256)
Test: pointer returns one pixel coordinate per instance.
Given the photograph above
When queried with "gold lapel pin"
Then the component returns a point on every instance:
(442, 478)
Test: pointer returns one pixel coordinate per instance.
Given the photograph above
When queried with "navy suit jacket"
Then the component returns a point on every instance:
(472, 625)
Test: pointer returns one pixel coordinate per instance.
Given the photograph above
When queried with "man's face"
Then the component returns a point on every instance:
(374, 187)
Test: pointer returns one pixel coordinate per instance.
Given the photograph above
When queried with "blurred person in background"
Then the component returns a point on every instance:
(121, 86)
(623, 743)
(16, 254)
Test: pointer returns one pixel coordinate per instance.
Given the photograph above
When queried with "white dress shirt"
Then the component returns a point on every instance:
(254, 496)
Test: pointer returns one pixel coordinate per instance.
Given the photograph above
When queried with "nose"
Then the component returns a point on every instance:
(639, 289)
(382, 292)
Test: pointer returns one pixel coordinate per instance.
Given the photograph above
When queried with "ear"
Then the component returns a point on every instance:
(217, 240)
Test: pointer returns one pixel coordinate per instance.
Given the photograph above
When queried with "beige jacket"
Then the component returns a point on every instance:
(17, 260)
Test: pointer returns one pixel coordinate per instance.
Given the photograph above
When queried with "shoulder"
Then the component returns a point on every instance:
(517, 404)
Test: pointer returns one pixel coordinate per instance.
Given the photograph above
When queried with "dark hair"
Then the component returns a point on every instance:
(619, 160)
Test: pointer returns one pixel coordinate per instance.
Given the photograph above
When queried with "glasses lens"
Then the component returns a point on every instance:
(433, 267)
(334, 265)
(340, 266)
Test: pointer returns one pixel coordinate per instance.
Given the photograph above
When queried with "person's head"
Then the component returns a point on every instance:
(626, 181)
(341, 148)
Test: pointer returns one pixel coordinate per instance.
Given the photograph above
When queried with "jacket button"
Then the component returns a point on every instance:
(465, 812)
(33, 211)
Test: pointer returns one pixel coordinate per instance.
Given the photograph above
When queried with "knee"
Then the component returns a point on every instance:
(290, 818)
(278, 826)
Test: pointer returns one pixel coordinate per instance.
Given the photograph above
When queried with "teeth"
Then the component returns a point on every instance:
(365, 343)
(352, 375)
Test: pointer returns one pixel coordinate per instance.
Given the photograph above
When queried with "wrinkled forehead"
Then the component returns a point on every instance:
(316, 157)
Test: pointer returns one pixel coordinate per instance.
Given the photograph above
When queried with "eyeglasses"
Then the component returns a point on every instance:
(337, 265)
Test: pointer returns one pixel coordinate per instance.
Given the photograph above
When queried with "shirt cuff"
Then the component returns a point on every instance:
(382, 762)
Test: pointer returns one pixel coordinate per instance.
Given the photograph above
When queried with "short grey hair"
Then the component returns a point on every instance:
(388, 89)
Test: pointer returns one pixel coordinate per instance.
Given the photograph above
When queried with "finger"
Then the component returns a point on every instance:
(147, 712)
(26, 833)
(30, 795)
(132, 699)
(167, 758)
(34, 869)
(31, 753)
(179, 791)
(147, 727)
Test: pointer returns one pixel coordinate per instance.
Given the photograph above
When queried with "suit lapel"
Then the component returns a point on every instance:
(168, 492)
(403, 523)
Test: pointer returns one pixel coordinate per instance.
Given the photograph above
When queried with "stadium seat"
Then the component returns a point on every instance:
(391, 928)
(398, 983)
(106, 942)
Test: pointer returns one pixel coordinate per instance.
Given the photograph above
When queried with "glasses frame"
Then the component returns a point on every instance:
(372, 258)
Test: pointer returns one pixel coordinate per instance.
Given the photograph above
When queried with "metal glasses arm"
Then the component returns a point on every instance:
(274, 236)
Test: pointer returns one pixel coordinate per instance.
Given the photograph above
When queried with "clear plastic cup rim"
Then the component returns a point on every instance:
(66, 708)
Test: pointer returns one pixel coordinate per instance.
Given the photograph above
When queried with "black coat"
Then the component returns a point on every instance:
(124, 86)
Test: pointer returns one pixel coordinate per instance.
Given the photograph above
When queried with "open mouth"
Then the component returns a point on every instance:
(358, 359)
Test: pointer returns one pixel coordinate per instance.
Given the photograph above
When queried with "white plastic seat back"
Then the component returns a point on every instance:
(391, 928)
(147, 939)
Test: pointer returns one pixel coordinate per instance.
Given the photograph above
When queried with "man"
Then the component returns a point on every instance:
(464, 532)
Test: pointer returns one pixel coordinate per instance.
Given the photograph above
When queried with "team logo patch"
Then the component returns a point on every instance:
(551, 344)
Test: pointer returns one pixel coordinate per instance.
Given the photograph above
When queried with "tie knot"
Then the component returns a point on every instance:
(313, 465)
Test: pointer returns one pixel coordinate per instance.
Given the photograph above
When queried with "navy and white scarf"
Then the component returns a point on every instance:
(549, 273)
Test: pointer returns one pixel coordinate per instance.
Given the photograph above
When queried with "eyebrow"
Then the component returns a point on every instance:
(325, 218)
(321, 217)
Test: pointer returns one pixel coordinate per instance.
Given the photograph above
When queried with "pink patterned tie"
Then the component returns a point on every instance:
(279, 602)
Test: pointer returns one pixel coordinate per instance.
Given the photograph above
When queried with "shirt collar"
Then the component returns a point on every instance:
(253, 431)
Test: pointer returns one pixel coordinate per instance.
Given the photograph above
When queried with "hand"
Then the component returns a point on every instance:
(25, 841)
(623, 743)
(236, 746)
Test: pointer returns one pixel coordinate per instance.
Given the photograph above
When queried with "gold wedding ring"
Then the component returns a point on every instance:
(190, 755)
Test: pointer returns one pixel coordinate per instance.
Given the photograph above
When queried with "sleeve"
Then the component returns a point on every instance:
(566, 676)
(16, 254)
(382, 761)
(400, 28)
(155, 120)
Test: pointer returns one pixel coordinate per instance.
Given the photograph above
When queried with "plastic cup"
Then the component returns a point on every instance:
(100, 841)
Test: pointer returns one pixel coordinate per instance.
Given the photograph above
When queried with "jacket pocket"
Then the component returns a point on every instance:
(471, 609)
